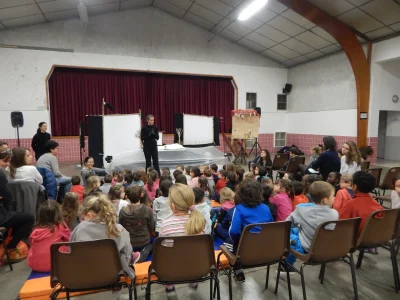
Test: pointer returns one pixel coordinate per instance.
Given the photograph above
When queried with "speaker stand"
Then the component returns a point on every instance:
(19, 142)
(240, 156)
(256, 146)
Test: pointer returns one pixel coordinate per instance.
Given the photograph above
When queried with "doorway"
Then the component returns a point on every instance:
(382, 126)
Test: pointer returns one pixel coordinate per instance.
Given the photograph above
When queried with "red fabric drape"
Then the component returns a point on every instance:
(75, 93)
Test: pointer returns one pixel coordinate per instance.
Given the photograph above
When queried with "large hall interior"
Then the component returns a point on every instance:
(228, 113)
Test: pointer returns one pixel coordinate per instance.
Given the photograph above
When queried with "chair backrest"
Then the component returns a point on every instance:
(85, 265)
(263, 243)
(377, 174)
(279, 161)
(365, 165)
(182, 258)
(381, 226)
(334, 240)
(25, 196)
(387, 180)
(294, 163)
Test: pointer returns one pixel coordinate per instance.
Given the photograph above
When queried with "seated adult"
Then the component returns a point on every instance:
(3, 146)
(328, 161)
(49, 161)
(20, 223)
(89, 170)
(21, 168)
(263, 160)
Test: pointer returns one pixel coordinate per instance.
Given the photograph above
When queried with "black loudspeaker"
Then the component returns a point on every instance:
(287, 89)
(95, 143)
(82, 135)
(17, 119)
(216, 130)
(258, 110)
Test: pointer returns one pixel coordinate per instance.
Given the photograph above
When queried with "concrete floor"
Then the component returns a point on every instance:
(375, 279)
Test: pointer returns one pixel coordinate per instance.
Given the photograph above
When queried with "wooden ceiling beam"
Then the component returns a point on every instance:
(360, 63)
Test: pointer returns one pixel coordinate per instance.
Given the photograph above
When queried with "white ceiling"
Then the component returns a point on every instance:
(276, 31)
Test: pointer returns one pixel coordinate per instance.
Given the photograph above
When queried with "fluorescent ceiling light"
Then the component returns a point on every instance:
(250, 10)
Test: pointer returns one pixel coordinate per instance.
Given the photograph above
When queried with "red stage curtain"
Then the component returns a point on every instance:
(75, 93)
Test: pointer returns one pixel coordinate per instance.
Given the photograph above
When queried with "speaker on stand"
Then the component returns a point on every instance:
(17, 121)
(82, 140)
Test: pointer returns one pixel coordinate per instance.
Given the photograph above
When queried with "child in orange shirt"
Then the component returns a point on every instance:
(296, 194)
(345, 194)
(77, 188)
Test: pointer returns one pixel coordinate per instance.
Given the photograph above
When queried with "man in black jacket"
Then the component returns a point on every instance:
(149, 137)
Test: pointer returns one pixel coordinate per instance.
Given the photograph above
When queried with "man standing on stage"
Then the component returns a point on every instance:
(149, 137)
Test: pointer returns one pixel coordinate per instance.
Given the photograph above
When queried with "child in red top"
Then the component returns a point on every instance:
(152, 186)
(282, 200)
(345, 194)
(50, 229)
(77, 188)
(362, 205)
(221, 183)
(296, 194)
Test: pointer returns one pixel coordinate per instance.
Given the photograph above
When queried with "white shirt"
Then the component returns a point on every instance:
(395, 200)
(27, 173)
(348, 169)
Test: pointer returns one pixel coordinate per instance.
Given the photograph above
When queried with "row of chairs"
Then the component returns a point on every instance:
(78, 269)
(387, 180)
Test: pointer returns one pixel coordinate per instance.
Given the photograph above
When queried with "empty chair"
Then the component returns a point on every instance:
(377, 174)
(388, 179)
(263, 244)
(331, 244)
(277, 163)
(87, 266)
(365, 165)
(183, 259)
(294, 163)
(381, 228)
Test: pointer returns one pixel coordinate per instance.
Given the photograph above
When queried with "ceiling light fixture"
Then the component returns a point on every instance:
(250, 10)
(83, 15)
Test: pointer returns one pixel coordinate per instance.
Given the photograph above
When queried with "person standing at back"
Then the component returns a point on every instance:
(40, 139)
(149, 136)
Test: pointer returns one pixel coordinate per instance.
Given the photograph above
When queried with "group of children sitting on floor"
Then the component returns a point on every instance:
(135, 207)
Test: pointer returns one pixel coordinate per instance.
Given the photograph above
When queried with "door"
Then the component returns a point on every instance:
(382, 133)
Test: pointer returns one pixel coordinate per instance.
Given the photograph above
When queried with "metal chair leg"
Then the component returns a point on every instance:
(266, 281)
(67, 292)
(288, 281)
(395, 267)
(211, 289)
(277, 278)
(230, 283)
(3, 238)
(218, 289)
(322, 273)
(353, 276)
(303, 284)
(360, 258)
(148, 290)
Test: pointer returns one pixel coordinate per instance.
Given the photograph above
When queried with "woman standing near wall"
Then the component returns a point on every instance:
(39, 139)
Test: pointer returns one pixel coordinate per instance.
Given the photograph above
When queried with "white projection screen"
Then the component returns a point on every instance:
(198, 130)
(120, 133)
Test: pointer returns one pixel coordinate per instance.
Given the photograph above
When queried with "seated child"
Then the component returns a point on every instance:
(203, 185)
(69, 208)
(128, 180)
(105, 188)
(296, 194)
(180, 168)
(262, 173)
(100, 222)
(50, 229)
(214, 172)
(176, 173)
(306, 183)
(315, 153)
(185, 219)
(181, 179)
(239, 173)
(308, 216)
(249, 210)
(211, 183)
(267, 191)
(334, 179)
(293, 152)
(137, 178)
(362, 204)
(289, 176)
(166, 171)
(195, 175)
(187, 173)
(117, 196)
(282, 200)
(249, 175)
(203, 207)
(232, 181)
(143, 175)
(224, 218)
(395, 196)
(115, 176)
(92, 186)
(77, 188)
(222, 181)
(152, 186)
(161, 208)
(345, 194)
(138, 220)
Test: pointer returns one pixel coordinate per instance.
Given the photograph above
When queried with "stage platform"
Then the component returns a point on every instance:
(170, 157)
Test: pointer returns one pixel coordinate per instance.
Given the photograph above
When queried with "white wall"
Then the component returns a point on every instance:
(129, 40)
(392, 139)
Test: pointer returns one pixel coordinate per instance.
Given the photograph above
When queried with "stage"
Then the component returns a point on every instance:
(169, 156)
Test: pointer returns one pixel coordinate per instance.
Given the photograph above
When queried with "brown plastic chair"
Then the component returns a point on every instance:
(381, 199)
(277, 163)
(3, 236)
(365, 165)
(377, 172)
(334, 240)
(388, 179)
(381, 228)
(87, 266)
(183, 259)
(292, 166)
(263, 244)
